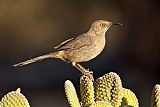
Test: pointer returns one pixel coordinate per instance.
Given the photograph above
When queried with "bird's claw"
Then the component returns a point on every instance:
(87, 71)
(89, 74)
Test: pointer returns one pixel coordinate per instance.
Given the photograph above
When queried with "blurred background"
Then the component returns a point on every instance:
(29, 28)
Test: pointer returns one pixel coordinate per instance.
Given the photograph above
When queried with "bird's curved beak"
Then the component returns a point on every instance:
(114, 23)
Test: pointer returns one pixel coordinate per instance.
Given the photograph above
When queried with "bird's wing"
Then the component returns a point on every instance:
(79, 42)
(63, 43)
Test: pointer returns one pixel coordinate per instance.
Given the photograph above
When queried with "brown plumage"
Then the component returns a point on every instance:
(80, 49)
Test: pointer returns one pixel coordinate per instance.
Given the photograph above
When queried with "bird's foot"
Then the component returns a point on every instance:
(87, 71)
(89, 74)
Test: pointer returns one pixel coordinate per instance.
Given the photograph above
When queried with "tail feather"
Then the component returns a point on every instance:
(50, 55)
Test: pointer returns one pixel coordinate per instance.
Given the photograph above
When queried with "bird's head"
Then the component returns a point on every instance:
(101, 26)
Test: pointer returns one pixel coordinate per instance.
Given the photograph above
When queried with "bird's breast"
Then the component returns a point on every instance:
(98, 44)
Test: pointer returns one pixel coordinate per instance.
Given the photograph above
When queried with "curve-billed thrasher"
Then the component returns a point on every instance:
(80, 49)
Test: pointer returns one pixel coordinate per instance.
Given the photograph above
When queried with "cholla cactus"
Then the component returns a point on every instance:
(109, 88)
(101, 104)
(129, 98)
(71, 94)
(14, 99)
(106, 91)
(155, 99)
(87, 91)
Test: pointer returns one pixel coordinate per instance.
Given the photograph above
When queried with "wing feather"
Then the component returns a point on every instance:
(63, 43)
(79, 42)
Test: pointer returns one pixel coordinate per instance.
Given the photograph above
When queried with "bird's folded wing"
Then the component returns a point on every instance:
(63, 43)
(71, 44)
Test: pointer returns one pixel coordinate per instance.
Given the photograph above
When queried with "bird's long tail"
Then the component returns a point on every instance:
(50, 55)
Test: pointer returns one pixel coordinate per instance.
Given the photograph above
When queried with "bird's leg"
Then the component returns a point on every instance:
(83, 70)
(80, 69)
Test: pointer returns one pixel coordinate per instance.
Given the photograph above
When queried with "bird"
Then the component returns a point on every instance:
(80, 49)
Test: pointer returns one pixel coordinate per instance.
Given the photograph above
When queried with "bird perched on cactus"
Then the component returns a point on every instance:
(80, 49)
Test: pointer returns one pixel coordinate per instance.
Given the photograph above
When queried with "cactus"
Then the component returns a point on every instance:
(106, 91)
(14, 99)
(129, 98)
(109, 88)
(155, 99)
(101, 104)
(71, 94)
(87, 91)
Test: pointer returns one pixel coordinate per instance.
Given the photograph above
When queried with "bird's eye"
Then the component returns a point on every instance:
(102, 24)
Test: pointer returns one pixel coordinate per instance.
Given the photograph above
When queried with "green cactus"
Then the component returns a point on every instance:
(101, 104)
(129, 98)
(71, 94)
(109, 88)
(106, 91)
(14, 99)
(87, 91)
(155, 99)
